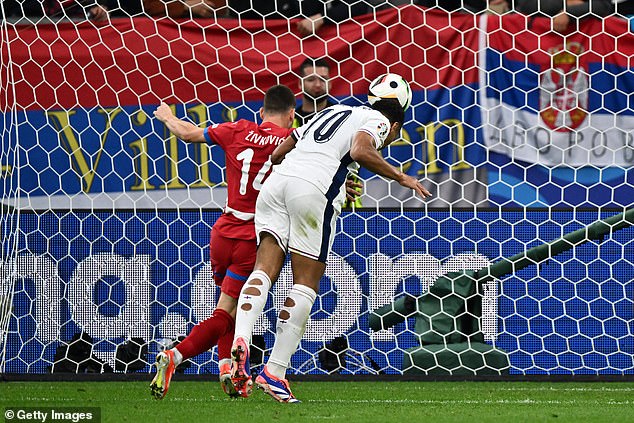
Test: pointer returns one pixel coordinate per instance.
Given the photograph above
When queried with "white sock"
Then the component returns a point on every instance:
(224, 362)
(251, 303)
(291, 325)
(178, 357)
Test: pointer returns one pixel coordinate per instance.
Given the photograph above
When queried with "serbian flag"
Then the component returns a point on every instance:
(558, 99)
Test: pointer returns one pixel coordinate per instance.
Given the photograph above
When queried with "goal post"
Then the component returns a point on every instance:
(523, 136)
(9, 213)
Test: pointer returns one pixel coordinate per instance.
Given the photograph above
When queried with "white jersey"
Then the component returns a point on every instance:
(322, 153)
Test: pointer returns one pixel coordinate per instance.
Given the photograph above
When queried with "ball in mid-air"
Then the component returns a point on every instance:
(390, 85)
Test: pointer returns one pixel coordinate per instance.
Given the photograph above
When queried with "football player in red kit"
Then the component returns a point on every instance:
(248, 147)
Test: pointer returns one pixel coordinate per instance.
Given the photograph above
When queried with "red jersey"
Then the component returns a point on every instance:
(248, 147)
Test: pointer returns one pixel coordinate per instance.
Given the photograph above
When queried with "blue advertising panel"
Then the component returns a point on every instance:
(146, 274)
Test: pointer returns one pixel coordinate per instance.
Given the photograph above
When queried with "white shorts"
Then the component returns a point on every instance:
(300, 217)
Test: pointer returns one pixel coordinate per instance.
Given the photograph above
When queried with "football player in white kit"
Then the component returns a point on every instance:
(296, 212)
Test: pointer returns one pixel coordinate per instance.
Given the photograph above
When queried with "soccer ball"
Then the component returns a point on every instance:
(390, 85)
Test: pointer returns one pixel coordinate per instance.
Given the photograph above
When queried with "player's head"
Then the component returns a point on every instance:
(314, 79)
(279, 105)
(393, 111)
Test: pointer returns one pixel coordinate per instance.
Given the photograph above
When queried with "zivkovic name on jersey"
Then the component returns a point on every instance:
(263, 140)
(128, 274)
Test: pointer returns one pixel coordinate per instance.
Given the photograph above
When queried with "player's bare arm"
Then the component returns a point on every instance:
(282, 150)
(184, 130)
(364, 153)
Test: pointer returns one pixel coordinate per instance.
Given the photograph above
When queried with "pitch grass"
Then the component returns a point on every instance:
(348, 402)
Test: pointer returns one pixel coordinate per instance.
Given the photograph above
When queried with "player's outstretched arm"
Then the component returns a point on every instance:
(184, 130)
(364, 153)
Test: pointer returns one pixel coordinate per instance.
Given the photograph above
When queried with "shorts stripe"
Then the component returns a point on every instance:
(304, 253)
(335, 187)
(237, 277)
(274, 235)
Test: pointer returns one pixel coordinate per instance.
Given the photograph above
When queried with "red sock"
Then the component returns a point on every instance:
(206, 334)
(224, 344)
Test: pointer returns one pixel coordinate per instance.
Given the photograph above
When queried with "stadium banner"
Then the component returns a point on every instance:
(120, 157)
(84, 94)
(557, 111)
(560, 100)
(90, 107)
(120, 275)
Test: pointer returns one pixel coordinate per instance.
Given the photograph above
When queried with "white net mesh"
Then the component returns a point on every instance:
(522, 133)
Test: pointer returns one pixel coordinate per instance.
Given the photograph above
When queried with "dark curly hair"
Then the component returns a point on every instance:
(391, 109)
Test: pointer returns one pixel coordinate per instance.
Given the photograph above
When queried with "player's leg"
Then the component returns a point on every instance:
(291, 325)
(227, 303)
(243, 259)
(272, 227)
(251, 303)
(313, 219)
(202, 337)
(207, 333)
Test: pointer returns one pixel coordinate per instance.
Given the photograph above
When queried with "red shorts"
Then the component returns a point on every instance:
(232, 261)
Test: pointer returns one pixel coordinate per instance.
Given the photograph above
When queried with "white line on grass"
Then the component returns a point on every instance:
(567, 389)
(526, 401)
(374, 401)
(540, 388)
(467, 402)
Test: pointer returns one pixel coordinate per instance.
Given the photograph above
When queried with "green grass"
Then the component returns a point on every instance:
(366, 402)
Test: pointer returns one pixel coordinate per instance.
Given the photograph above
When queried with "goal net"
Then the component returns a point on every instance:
(522, 133)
